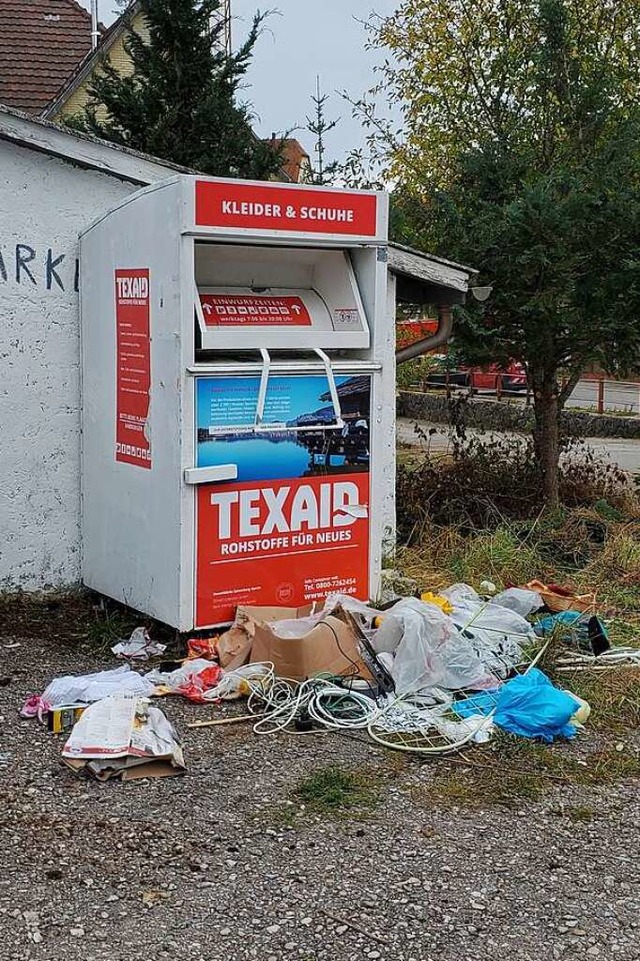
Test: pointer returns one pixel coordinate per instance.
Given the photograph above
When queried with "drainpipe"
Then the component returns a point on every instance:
(95, 33)
(441, 336)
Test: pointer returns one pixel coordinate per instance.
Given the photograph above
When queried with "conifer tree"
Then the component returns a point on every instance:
(322, 172)
(181, 100)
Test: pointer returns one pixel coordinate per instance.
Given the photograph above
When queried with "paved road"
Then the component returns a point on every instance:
(626, 453)
(617, 397)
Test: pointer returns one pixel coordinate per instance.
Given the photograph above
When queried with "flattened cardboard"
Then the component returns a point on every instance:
(124, 737)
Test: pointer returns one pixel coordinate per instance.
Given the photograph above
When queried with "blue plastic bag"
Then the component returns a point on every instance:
(528, 705)
(586, 631)
(482, 703)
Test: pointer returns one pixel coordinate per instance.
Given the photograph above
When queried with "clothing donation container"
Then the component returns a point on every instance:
(237, 419)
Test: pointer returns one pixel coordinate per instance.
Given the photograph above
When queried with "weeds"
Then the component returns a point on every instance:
(332, 790)
(79, 618)
(512, 771)
(494, 480)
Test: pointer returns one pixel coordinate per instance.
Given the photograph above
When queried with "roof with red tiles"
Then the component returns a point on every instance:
(295, 159)
(41, 44)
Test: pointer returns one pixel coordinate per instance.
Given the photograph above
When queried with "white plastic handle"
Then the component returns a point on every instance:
(333, 390)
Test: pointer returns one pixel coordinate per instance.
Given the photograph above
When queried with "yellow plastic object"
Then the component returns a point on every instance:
(378, 621)
(438, 600)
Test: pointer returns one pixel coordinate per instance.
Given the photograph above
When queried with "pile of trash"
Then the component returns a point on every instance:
(425, 674)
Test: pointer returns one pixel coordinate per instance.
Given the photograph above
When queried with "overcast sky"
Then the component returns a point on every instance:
(306, 38)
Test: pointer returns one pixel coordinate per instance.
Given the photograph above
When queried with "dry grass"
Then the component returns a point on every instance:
(592, 546)
(511, 772)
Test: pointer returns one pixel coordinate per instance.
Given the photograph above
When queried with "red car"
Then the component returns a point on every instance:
(492, 378)
(495, 378)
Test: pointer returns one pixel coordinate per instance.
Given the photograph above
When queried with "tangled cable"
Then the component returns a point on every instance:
(277, 702)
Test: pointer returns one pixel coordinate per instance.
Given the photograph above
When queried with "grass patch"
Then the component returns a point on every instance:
(580, 814)
(335, 790)
(502, 555)
(614, 697)
(513, 771)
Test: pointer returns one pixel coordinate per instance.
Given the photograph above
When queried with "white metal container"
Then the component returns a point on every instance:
(238, 397)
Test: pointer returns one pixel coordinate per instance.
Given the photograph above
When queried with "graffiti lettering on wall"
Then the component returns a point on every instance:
(42, 267)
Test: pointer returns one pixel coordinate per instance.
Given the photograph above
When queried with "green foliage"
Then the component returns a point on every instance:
(492, 479)
(332, 789)
(521, 157)
(413, 373)
(322, 172)
(181, 101)
(546, 75)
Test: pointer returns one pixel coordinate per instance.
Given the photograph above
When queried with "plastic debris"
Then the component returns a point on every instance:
(528, 705)
(488, 587)
(587, 632)
(86, 689)
(613, 659)
(203, 647)
(192, 680)
(139, 647)
(429, 650)
(496, 632)
(442, 602)
(519, 599)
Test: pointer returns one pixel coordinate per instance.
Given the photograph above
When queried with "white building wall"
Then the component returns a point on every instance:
(44, 204)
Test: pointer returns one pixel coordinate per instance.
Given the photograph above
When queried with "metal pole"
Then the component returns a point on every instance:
(95, 33)
(223, 16)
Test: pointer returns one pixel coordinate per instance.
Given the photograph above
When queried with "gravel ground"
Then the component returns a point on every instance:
(213, 866)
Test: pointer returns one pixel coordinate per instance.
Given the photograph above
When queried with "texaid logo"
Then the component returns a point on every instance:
(275, 519)
(132, 288)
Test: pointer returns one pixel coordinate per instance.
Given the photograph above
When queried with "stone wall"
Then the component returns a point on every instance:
(503, 416)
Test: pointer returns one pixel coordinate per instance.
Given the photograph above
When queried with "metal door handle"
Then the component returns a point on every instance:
(211, 475)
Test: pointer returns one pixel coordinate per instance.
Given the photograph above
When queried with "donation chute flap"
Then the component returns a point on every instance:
(300, 644)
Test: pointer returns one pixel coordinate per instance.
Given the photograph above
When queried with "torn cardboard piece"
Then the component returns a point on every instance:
(124, 737)
(234, 646)
(329, 646)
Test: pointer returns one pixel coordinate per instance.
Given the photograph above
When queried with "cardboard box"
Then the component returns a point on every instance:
(331, 647)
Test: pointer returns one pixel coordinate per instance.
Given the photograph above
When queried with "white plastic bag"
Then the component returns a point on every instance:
(520, 600)
(178, 678)
(88, 688)
(351, 604)
(240, 682)
(295, 627)
(495, 632)
(432, 652)
(139, 647)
